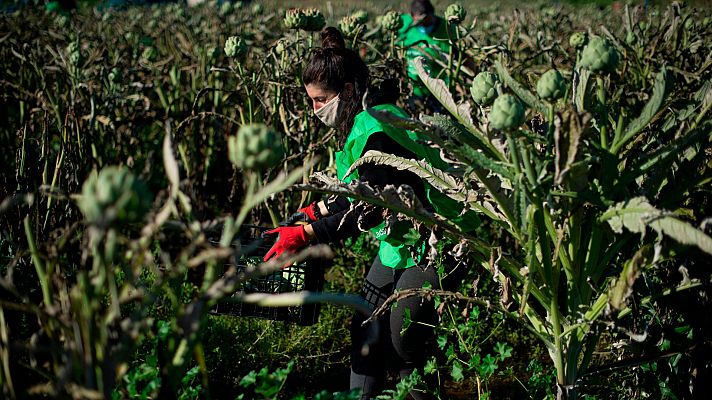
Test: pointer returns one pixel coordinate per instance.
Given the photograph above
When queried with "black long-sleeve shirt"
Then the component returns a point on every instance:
(332, 229)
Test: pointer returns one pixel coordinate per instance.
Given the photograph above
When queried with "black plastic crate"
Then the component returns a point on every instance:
(306, 275)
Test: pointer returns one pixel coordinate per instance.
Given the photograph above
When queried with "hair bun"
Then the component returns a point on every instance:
(331, 38)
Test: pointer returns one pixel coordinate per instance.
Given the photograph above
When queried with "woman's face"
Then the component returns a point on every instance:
(319, 95)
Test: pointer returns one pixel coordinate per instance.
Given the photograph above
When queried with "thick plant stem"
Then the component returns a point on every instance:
(603, 115)
(39, 265)
(529, 168)
(514, 153)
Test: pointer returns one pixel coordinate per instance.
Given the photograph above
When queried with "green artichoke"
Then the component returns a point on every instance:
(507, 113)
(578, 40)
(235, 47)
(484, 88)
(551, 85)
(226, 8)
(599, 55)
(281, 46)
(149, 54)
(455, 13)
(391, 21)
(114, 75)
(258, 8)
(255, 147)
(361, 16)
(295, 18)
(114, 195)
(74, 52)
(350, 26)
(315, 20)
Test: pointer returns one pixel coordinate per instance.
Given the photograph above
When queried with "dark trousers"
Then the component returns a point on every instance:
(395, 350)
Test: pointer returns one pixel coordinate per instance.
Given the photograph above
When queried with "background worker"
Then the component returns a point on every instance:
(424, 34)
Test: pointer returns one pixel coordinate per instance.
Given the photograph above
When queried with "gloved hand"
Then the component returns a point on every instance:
(290, 239)
(308, 214)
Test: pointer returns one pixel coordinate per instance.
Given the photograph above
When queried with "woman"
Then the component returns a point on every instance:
(336, 80)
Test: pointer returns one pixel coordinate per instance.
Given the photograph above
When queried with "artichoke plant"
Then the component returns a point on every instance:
(455, 13)
(314, 20)
(114, 195)
(599, 55)
(507, 113)
(391, 21)
(361, 16)
(578, 40)
(295, 18)
(75, 54)
(235, 46)
(351, 26)
(551, 85)
(149, 54)
(255, 147)
(484, 88)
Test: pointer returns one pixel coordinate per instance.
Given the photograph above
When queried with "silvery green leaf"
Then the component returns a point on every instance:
(649, 111)
(435, 177)
(637, 214)
(439, 89)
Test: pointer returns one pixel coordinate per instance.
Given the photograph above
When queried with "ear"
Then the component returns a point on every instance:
(348, 91)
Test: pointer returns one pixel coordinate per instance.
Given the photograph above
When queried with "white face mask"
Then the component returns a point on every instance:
(331, 113)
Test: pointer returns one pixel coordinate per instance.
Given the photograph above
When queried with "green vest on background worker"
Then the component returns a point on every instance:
(393, 252)
(424, 34)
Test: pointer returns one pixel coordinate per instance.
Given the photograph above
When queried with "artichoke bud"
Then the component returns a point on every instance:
(578, 40)
(392, 22)
(281, 46)
(361, 16)
(235, 47)
(507, 113)
(255, 147)
(114, 75)
(61, 20)
(350, 26)
(484, 88)
(551, 85)
(258, 8)
(455, 13)
(315, 20)
(295, 18)
(599, 55)
(114, 195)
(75, 53)
(149, 54)
(225, 8)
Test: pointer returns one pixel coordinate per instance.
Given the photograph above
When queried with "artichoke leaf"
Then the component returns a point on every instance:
(637, 214)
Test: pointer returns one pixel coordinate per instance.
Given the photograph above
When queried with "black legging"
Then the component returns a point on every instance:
(402, 353)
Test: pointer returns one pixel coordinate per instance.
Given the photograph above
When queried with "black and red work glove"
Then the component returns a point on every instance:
(307, 214)
(290, 240)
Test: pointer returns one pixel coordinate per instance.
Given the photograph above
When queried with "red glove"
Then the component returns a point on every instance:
(290, 239)
(310, 211)
(305, 214)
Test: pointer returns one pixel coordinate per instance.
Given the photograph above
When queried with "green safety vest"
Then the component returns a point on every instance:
(414, 39)
(392, 251)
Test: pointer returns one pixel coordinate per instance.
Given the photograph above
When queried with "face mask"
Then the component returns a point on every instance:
(331, 114)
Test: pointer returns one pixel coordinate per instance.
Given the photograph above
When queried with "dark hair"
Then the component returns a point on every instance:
(332, 66)
(421, 7)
